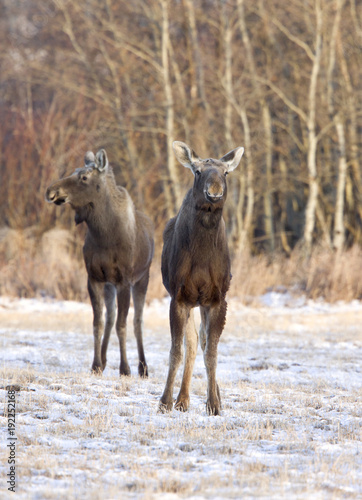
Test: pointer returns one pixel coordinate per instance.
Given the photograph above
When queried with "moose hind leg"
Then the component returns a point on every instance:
(123, 301)
(178, 318)
(214, 327)
(183, 398)
(110, 301)
(139, 294)
(95, 291)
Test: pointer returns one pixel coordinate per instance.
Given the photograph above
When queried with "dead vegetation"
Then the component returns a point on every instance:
(28, 259)
(209, 73)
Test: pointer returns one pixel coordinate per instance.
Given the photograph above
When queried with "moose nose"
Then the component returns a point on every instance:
(214, 192)
(50, 195)
(214, 197)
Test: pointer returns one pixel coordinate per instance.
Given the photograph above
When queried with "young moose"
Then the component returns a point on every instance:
(196, 272)
(118, 250)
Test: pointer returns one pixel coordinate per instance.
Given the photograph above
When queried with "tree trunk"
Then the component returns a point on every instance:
(310, 212)
(198, 86)
(339, 231)
(283, 217)
(244, 225)
(228, 78)
(171, 163)
(268, 204)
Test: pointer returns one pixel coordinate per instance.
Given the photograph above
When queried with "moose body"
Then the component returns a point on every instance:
(118, 251)
(196, 272)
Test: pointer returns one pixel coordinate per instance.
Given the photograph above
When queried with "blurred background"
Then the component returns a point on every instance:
(282, 79)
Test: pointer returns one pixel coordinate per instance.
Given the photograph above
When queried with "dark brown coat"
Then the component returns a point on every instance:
(196, 272)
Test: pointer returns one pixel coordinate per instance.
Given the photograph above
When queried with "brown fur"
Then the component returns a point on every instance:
(118, 250)
(196, 272)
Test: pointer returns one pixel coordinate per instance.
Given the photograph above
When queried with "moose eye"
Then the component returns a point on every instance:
(84, 178)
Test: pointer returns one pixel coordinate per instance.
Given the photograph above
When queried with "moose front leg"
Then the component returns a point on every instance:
(178, 317)
(95, 291)
(215, 319)
(183, 398)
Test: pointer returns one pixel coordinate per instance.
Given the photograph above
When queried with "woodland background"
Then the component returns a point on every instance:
(282, 79)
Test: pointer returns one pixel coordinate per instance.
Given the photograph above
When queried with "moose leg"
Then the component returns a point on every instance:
(178, 317)
(95, 291)
(202, 331)
(110, 301)
(123, 300)
(139, 293)
(183, 398)
(215, 320)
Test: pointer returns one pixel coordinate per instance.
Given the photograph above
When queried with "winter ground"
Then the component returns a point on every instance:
(290, 378)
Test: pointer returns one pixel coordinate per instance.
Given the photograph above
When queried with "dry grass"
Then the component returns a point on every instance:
(325, 274)
(33, 265)
(253, 450)
(285, 432)
(51, 265)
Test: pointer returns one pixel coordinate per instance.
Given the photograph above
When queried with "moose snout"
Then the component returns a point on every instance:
(50, 195)
(214, 191)
(54, 195)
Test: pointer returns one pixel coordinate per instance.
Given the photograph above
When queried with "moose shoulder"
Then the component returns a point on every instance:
(118, 250)
(196, 272)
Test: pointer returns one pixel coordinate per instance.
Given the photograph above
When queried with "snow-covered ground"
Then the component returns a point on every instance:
(291, 384)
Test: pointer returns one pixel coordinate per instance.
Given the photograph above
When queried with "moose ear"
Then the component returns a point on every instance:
(101, 160)
(185, 155)
(89, 158)
(232, 158)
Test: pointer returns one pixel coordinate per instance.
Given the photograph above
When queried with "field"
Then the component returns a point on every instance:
(290, 377)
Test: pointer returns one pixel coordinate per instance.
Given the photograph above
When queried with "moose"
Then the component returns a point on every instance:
(195, 268)
(117, 252)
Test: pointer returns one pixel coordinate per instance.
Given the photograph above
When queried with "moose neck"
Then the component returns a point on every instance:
(208, 217)
(111, 218)
(203, 219)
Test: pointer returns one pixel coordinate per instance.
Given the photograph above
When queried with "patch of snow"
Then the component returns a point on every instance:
(291, 393)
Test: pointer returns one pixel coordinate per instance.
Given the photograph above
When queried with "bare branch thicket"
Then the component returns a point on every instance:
(132, 77)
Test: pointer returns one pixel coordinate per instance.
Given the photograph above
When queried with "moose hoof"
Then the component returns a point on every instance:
(142, 370)
(125, 371)
(104, 364)
(164, 407)
(96, 369)
(182, 405)
(213, 408)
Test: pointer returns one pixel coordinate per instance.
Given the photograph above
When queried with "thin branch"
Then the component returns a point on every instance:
(58, 80)
(283, 97)
(294, 39)
(296, 140)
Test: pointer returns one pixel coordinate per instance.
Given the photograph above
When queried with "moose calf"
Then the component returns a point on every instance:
(118, 250)
(196, 272)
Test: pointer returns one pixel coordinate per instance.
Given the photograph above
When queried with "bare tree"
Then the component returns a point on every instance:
(287, 78)
(339, 230)
(307, 116)
(265, 113)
